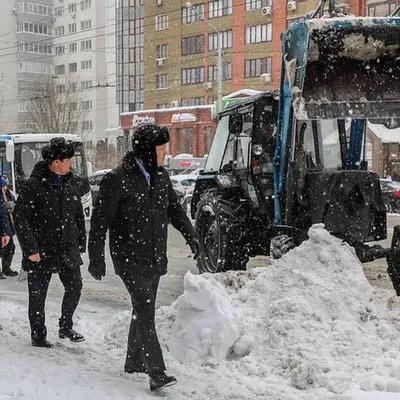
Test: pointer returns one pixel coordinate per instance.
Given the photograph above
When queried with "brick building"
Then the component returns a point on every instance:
(167, 57)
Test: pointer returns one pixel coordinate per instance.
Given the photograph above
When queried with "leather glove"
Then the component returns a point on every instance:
(97, 268)
(194, 247)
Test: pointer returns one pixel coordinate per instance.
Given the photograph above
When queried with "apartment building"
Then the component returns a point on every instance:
(381, 8)
(168, 55)
(70, 43)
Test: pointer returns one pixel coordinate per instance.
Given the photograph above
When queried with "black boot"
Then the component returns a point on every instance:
(71, 335)
(10, 272)
(6, 262)
(160, 380)
(2, 276)
(41, 343)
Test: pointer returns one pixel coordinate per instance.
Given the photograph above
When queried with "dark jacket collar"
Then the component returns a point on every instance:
(41, 171)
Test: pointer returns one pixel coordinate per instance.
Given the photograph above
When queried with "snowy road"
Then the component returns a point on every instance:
(111, 292)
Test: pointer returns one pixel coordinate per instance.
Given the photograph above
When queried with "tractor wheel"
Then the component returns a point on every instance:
(218, 251)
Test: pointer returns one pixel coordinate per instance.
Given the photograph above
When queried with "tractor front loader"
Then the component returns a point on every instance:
(282, 161)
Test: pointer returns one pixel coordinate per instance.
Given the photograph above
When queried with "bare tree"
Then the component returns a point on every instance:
(56, 105)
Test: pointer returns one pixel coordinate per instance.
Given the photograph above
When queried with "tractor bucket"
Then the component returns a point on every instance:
(344, 67)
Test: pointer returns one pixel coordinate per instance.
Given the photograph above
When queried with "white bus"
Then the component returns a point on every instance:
(20, 152)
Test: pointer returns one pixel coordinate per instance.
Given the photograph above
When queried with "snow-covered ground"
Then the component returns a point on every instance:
(308, 327)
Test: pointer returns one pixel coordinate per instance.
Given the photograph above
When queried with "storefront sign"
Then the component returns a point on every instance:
(138, 120)
(183, 117)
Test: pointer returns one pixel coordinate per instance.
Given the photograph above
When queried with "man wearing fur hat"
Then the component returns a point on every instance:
(50, 226)
(136, 201)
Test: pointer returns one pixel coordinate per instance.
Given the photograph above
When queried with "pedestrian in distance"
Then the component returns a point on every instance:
(135, 203)
(50, 227)
(7, 252)
(5, 230)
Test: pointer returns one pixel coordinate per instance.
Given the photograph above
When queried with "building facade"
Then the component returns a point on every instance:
(70, 44)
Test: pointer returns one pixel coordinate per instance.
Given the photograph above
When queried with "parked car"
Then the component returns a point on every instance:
(188, 182)
(391, 195)
(94, 182)
(95, 179)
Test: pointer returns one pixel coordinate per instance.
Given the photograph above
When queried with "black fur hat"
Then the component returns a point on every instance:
(58, 149)
(144, 142)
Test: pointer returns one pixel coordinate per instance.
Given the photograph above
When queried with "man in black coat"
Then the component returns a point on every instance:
(50, 226)
(136, 201)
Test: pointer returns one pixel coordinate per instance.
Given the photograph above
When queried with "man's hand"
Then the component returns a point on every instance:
(97, 268)
(194, 247)
(35, 257)
(4, 240)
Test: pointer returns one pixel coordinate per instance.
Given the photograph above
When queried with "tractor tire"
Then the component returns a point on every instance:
(218, 250)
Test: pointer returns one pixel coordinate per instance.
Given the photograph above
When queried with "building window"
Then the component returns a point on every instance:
(192, 45)
(87, 125)
(87, 105)
(72, 28)
(162, 51)
(219, 8)
(30, 27)
(73, 47)
(60, 89)
(226, 72)
(161, 22)
(186, 140)
(193, 13)
(161, 106)
(85, 4)
(259, 33)
(72, 8)
(73, 67)
(192, 76)
(86, 84)
(85, 25)
(60, 50)
(193, 101)
(257, 4)
(59, 11)
(382, 9)
(213, 40)
(162, 81)
(257, 67)
(60, 31)
(132, 82)
(59, 69)
(136, 26)
(87, 64)
(86, 45)
(209, 138)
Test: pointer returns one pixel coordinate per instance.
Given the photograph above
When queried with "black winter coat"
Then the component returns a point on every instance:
(49, 220)
(137, 217)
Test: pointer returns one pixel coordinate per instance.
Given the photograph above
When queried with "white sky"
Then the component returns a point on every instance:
(309, 327)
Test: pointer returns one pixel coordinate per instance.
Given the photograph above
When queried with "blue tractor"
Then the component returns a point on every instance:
(282, 161)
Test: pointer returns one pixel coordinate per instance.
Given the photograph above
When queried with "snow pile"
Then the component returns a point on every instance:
(206, 323)
(307, 321)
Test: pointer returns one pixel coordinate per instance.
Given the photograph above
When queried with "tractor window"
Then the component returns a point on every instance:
(217, 150)
(243, 142)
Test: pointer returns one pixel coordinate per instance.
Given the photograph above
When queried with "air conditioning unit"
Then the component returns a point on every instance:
(159, 62)
(175, 103)
(14, 11)
(265, 78)
(73, 15)
(159, 2)
(266, 10)
(291, 5)
(207, 85)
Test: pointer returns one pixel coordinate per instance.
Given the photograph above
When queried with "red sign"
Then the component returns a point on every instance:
(185, 163)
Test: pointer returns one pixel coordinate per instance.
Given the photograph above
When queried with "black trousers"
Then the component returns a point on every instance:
(7, 255)
(144, 350)
(38, 284)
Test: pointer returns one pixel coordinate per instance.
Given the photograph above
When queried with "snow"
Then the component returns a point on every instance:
(385, 134)
(308, 327)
